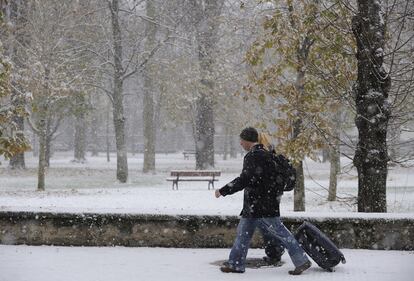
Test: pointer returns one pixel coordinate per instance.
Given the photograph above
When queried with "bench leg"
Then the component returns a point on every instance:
(212, 185)
(175, 183)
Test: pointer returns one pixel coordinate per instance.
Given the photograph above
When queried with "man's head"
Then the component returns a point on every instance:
(248, 137)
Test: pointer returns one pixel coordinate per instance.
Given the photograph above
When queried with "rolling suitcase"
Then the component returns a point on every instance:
(318, 246)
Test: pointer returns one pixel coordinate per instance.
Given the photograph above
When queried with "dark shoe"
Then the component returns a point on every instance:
(272, 260)
(298, 270)
(227, 269)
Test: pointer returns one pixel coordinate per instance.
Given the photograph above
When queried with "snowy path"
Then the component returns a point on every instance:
(44, 263)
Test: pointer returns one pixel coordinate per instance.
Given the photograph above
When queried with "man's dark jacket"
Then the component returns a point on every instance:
(257, 180)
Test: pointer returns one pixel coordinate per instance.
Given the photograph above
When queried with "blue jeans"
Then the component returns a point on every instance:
(272, 226)
(273, 246)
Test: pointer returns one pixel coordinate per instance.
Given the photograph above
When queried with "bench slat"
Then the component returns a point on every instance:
(190, 179)
(195, 173)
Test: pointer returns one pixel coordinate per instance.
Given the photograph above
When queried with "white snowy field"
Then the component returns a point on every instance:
(91, 187)
(49, 263)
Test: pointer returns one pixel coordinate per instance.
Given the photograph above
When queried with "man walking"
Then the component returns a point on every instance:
(260, 206)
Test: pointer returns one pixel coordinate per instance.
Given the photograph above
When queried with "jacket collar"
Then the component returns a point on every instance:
(257, 147)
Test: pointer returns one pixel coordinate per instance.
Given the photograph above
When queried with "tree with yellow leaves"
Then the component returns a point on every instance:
(12, 142)
(303, 65)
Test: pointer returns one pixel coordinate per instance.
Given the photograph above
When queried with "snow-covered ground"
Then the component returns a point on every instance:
(91, 187)
(48, 263)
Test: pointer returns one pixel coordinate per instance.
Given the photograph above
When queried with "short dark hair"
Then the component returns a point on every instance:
(249, 134)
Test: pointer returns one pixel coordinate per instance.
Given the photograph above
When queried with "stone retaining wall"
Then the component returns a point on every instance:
(71, 229)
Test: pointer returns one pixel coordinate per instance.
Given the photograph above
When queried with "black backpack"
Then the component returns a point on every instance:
(284, 171)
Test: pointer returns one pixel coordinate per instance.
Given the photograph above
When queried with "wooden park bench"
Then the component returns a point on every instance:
(187, 153)
(194, 175)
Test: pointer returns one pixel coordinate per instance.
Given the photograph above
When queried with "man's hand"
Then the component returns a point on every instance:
(217, 193)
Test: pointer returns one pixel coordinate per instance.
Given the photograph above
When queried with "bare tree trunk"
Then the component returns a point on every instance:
(40, 129)
(41, 173)
(108, 143)
(148, 103)
(334, 171)
(94, 136)
(302, 59)
(299, 191)
(204, 134)
(335, 167)
(80, 138)
(35, 145)
(117, 95)
(48, 142)
(207, 39)
(226, 142)
(80, 127)
(299, 194)
(371, 93)
(119, 125)
(149, 129)
(149, 135)
(394, 139)
(325, 154)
